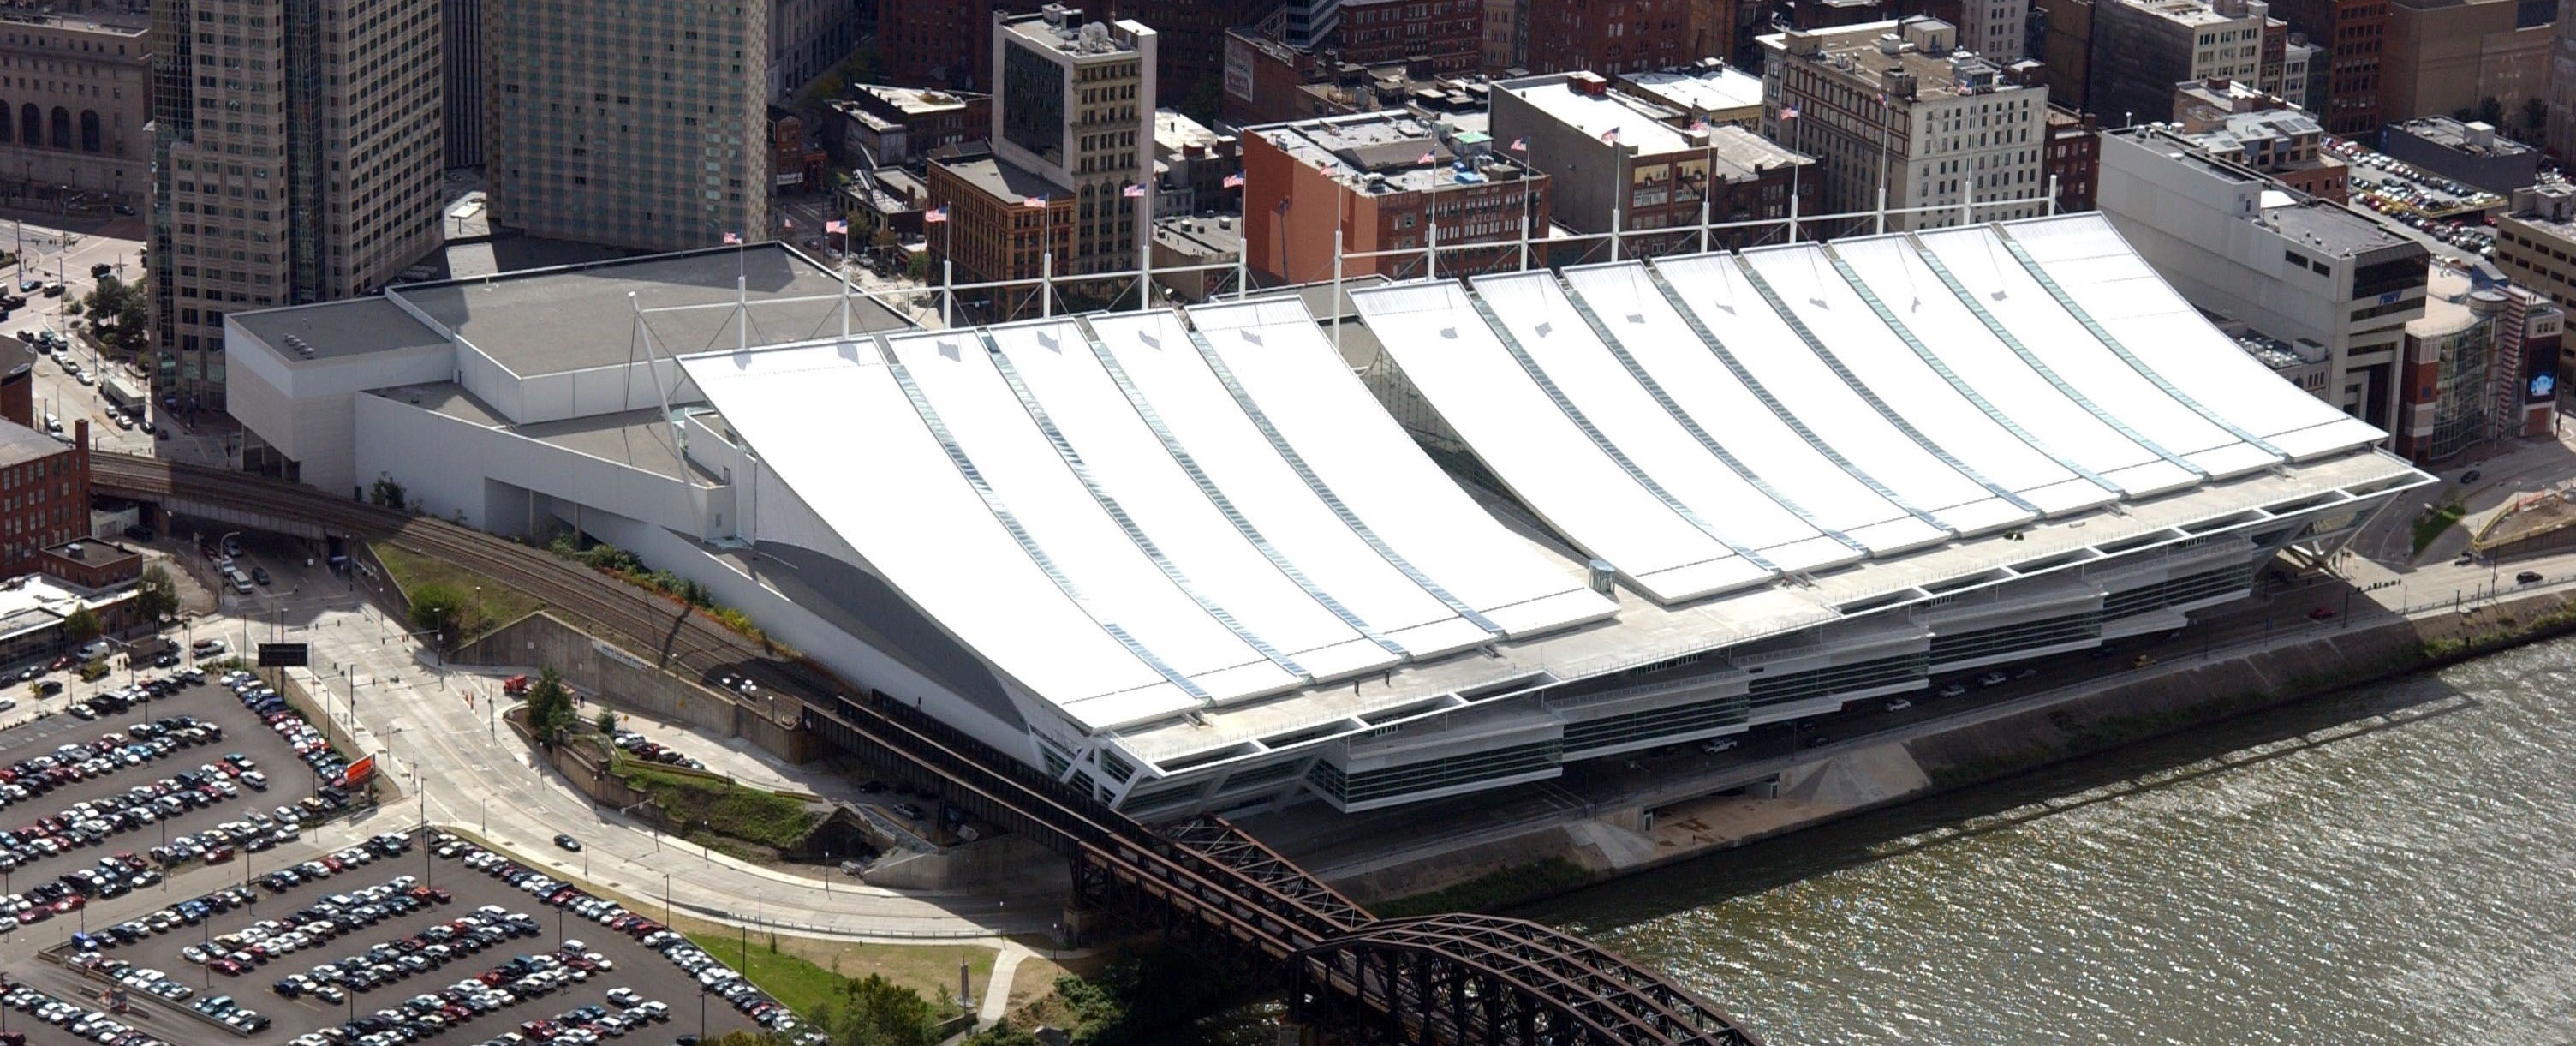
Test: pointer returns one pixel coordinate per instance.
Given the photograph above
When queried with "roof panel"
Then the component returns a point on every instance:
(1106, 567)
(2175, 342)
(804, 407)
(1841, 413)
(1289, 372)
(1462, 368)
(1537, 314)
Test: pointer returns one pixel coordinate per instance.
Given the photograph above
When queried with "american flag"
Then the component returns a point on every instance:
(1788, 112)
(1699, 124)
(935, 214)
(1035, 202)
(1234, 181)
(1427, 157)
(1521, 144)
(1325, 166)
(789, 222)
(836, 226)
(1135, 192)
(732, 238)
(1610, 137)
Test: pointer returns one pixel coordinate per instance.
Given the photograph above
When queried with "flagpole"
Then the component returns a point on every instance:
(1144, 258)
(1339, 309)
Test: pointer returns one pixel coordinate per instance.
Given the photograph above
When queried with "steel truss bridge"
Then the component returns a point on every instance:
(1350, 977)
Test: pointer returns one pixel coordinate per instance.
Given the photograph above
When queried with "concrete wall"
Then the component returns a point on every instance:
(304, 408)
(621, 679)
(444, 462)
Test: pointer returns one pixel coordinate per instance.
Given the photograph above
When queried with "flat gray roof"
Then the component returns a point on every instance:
(354, 327)
(638, 439)
(20, 444)
(548, 321)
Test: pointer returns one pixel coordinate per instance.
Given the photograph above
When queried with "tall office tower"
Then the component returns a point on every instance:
(2142, 48)
(806, 39)
(297, 158)
(1309, 23)
(2353, 34)
(631, 123)
(1074, 105)
(464, 61)
(2560, 89)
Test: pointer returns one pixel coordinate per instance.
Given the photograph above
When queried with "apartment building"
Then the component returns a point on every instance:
(1625, 36)
(44, 493)
(639, 124)
(1503, 35)
(75, 104)
(297, 158)
(1385, 180)
(1896, 108)
(2074, 160)
(2354, 36)
(2238, 244)
(1627, 164)
(2142, 48)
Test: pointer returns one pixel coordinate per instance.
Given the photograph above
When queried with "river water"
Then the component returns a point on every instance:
(2394, 864)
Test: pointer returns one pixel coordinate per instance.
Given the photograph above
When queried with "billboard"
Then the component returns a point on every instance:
(2540, 371)
(285, 655)
(358, 772)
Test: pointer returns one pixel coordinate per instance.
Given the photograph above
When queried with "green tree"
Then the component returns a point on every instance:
(82, 624)
(1003, 1033)
(607, 722)
(2535, 113)
(386, 492)
(873, 1011)
(550, 706)
(448, 609)
(157, 596)
(2491, 110)
(120, 314)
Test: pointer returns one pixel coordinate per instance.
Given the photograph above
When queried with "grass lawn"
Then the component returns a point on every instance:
(500, 604)
(728, 808)
(787, 978)
(2433, 522)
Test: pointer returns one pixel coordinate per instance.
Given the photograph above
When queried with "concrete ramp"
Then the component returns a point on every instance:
(1870, 775)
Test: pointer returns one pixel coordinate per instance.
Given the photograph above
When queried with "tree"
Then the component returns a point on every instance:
(2491, 110)
(156, 596)
(120, 314)
(82, 624)
(447, 609)
(386, 492)
(550, 710)
(2535, 113)
(873, 1011)
(607, 721)
(1002, 1033)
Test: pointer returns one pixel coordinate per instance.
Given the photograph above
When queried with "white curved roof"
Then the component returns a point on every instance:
(1131, 518)
(1713, 422)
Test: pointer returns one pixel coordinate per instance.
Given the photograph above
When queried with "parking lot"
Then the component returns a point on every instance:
(201, 759)
(403, 931)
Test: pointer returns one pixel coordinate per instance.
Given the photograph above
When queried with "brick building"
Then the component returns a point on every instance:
(992, 233)
(1626, 36)
(2353, 34)
(90, 563)
(1381, 178)
(1447, 32)
(44, 493)
(2074, 158)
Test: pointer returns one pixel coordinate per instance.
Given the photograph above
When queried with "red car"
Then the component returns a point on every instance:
(2322, 613)
(219, 855)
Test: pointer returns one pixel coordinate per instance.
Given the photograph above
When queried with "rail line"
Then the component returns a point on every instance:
(1462, 980)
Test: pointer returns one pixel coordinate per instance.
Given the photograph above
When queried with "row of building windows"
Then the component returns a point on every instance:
(1949, 650)
(1430, 774)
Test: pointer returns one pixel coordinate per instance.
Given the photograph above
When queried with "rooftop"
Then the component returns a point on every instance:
(1751, 151)
(1001, 179)
(1406, 149)
(2474, 138)
(1924, 49)
(548, 321)
(1583, 102)
(639, 439)
(912, 101)
(2326, 227)
(100, 20)
(353, 327)
(1065, 31)
(2197, 12)
(1715, 89)
(1174, 131)
(20, 444)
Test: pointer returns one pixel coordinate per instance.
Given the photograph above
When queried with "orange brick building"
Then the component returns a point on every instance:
(1383, 179)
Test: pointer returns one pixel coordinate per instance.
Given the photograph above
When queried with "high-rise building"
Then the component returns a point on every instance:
(2353, 34)
(1895, 108)
(2066, 47)
(297, 158)
(2447, 55)
(1994, 29)
(2560, 90)
(2074, 160)
(462, 22)
(631, 123)
(1505, 36)
(1309, 23)
(73, 118)
(806, 39)
(2142, 48)
(1074, 105)
(2481, 367)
